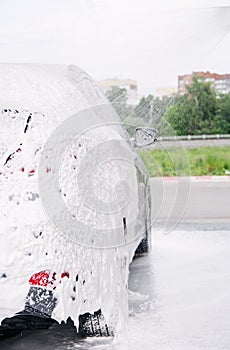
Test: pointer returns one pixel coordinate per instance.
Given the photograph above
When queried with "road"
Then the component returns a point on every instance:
(200, 201)
(179, 293)
(184, 288)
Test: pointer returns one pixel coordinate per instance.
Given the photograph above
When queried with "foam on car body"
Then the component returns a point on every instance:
(35, 99)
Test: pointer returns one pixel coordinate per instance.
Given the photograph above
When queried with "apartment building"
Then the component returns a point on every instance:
(219, 82)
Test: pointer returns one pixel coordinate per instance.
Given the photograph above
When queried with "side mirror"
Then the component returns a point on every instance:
(145, 136)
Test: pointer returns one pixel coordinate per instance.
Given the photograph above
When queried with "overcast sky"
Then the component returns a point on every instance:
(147, 40)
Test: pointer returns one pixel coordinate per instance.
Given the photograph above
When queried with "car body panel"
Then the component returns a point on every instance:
(35, 101)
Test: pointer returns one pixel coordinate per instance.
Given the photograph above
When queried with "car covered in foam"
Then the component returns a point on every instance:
(75, 202)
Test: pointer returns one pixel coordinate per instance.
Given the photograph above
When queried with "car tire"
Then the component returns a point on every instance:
(144, 246)
(93, 325)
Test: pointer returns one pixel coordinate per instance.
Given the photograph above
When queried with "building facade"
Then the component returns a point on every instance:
(219, 82)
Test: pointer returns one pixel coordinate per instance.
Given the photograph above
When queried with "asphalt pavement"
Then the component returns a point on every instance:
(204, 202)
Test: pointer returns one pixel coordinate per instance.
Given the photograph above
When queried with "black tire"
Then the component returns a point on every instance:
(93, 325)
(143, 248)
(22, 321)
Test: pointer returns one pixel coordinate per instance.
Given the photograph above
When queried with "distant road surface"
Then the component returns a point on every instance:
(208, 201)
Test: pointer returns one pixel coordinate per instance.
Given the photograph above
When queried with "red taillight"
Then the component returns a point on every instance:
(46, 279)
(40, 279)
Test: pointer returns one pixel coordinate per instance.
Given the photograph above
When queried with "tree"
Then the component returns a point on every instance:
(197, 112)
(182, 116)
(118, 97)
(204, 98)
(224, 105)
(144, 109)
(151, 109)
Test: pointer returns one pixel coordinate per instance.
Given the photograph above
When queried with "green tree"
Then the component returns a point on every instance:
(204, 98)
(144, 109)
(119, 98)
(151, 109)
(181, 117)
(224, 105)
(197, 112)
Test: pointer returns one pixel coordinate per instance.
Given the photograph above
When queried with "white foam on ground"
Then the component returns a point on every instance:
(185, 281)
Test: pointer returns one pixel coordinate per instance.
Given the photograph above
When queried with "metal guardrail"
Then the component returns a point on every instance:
(194, 137)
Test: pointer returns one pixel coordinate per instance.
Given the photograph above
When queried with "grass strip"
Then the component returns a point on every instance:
(187, 162)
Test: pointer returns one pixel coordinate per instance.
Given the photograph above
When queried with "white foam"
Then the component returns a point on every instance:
(29, 242)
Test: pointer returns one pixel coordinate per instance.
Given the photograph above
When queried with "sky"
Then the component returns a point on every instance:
(147, 40)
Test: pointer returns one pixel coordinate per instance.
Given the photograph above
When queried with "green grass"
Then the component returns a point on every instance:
(187, 162)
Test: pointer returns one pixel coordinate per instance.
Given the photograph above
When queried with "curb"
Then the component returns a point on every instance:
(197, 178)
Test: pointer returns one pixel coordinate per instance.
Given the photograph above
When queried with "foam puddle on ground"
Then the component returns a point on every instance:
(186, 281)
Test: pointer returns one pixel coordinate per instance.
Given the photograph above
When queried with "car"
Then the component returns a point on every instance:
(75, 202)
